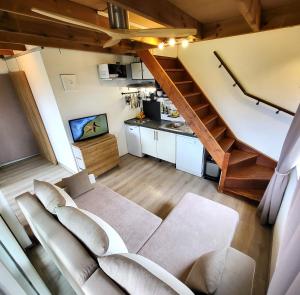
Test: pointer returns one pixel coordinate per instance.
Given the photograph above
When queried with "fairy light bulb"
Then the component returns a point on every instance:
(161, 45)
(172, 41)
(185, 43)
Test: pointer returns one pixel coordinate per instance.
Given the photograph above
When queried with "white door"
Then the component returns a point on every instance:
(189, 155)
(166, 146)
(146, 73)
(148, 140)
(136, 71)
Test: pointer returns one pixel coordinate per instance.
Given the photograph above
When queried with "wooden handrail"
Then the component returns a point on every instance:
(258, 99)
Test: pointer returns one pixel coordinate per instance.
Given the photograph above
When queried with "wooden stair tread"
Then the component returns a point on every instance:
(217, 131)
(200, 106)
(164, 57)
(238, 156)
(253, 171)
(255, 194)
(226, 143)
(175, 70)
(192, 94)
(183, 82)
(209, 118)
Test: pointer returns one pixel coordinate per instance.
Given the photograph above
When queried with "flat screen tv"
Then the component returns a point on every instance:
(88, 127)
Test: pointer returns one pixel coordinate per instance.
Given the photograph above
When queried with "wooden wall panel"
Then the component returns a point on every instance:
(28, 103)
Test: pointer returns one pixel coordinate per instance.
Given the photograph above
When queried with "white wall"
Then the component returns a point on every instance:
(268, 65)
(93, 96)
(32, 64)
(3, 67)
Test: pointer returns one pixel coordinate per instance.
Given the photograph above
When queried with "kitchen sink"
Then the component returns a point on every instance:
(177, 126)
(174, 125)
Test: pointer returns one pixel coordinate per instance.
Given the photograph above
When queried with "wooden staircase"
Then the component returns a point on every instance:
(245, 171)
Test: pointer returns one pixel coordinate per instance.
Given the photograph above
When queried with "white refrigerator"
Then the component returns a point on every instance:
(133, 139)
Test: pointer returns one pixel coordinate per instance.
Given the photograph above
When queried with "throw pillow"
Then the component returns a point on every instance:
(139, 275)
(97, 235)
(207, 271)
(51, 196)
(78, 184)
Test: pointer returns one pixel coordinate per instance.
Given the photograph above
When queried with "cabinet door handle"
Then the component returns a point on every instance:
(154, 134)
(157, 135)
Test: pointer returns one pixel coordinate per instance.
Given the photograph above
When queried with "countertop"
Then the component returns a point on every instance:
(160, 125)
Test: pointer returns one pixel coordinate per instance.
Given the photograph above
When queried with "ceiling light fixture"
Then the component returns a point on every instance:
(185, 43)
(161, 45)
(172, 41)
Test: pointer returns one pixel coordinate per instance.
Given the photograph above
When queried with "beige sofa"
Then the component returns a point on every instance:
(194, 227)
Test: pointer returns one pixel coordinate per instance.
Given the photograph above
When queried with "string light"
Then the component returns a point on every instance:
(161, 45)
(172, 41)
(185, 43)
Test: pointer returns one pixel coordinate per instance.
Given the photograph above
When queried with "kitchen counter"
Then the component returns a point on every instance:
(161, 125)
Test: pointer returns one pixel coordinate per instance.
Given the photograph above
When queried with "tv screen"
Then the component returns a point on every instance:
(88, 127)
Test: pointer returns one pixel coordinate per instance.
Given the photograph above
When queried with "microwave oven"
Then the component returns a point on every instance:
(112, 71)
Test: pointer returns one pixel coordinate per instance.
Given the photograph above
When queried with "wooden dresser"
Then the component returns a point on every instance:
(98, 155)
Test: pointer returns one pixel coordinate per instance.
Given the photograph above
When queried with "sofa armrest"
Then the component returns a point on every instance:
(238, 274)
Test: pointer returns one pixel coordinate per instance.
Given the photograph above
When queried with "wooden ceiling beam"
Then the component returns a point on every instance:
(160, 11)
(251, 11)
(64, 7)
(124, 47)
(24, 24)
(6, 52)
(277, 18)
(12, 46)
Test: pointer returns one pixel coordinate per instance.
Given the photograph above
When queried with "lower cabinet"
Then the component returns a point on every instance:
(159, 144)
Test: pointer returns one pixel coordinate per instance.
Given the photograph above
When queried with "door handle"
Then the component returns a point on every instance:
(157, 135)
(154, 134)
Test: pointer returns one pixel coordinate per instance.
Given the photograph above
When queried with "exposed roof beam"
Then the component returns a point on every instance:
(43, 33)
(277, 18)
(12, 46)
(6, 52)
(124, 47)
(160, 11)
(64, 7)
(24, 24)
(251, 11)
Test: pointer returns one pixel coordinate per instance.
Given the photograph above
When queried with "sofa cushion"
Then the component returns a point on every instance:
(67, 252)
(134, 224)
(206, 273)
(238, 274)
(196, 226)
(138, 275)
(51, 196)
(84, 228)
(100, 284)
(78, 184)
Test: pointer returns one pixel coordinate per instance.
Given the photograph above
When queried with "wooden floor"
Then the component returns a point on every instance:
(158, 187)
(17, 178)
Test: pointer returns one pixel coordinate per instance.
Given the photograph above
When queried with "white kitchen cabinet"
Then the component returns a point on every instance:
(139, 71)
(146, 73)
(136, 71)
(158, 144)
(189, 155)
(166, 146)
(148, 140)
